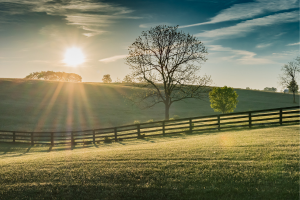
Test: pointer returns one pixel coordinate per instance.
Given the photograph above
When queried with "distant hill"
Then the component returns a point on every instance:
(36, 105)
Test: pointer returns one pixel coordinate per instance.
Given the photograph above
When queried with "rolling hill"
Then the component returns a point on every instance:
(36, 105)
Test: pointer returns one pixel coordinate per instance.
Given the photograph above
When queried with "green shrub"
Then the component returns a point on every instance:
(136, 122)
(150, 120)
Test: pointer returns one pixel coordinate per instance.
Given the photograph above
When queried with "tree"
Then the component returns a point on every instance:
(106, 78)
(223, 99)
(166, 62)
(55, 76)
(289, 76)
(128, 79)
(293, 87)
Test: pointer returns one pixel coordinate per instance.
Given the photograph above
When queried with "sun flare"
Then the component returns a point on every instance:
(74, 57)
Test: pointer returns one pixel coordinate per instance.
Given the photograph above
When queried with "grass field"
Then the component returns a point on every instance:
(35, 105)
(243, 164)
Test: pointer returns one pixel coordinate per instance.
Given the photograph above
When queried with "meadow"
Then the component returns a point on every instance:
(237, 164)
(37, 105)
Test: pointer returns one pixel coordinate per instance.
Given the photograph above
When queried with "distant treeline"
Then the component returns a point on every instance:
(55, 76)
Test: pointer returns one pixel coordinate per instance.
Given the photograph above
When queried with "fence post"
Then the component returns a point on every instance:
(94, 135)
(191, 127)
(52, 139)
(14, 137)
(72, 139)
(163, 127)
(116, 136)
(250, 120)
(280, 116)
(138, 130)
(219, 125)
(32, 139)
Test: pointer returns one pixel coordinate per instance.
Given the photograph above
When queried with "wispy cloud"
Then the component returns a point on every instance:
(250, 10)
(89, 15)
(113, 58)
(297, 43)
(263, 45)
(243, 28)
(239, 56)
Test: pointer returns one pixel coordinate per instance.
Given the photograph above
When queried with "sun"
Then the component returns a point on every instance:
(74, 57)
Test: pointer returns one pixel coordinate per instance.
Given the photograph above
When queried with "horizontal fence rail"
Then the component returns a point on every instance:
(249, 119)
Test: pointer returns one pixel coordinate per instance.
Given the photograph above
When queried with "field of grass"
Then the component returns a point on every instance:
(241, 164)
(35, 105)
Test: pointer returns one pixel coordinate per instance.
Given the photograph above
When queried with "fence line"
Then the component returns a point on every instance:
(203, 123)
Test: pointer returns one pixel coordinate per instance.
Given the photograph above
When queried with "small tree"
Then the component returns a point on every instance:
(289, 76)
(106, 79)
(166, 63)
(223, 99)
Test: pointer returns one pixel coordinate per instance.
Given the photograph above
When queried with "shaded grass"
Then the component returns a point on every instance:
(35, 105)
(242, 164)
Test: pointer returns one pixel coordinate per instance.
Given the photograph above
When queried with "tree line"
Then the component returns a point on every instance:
(55, 76)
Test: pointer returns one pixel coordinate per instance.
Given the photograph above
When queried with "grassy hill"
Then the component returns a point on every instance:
(35, 105)
(229, 165)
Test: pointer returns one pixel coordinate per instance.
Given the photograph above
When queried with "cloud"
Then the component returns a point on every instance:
(297, 43)
(113, 58)
(263, 45)
(250, 10)
(240, 56)
(50, 30)
(149, 25)
(243, 28)
(88, 15)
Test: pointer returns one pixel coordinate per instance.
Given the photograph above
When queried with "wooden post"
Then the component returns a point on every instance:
(94, 135)
(138, 130)
(163, 127)
(32, 139)
(72, 139)
(191, 126)
(52, 139)
(280, 116)
(14, 137)
(219, 125)
(116, 135)
(250, 120)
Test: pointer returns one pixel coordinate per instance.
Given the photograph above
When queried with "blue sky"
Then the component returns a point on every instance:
(248, 41)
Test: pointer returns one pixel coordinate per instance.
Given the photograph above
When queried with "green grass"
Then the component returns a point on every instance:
(241, 164)
(35, 105)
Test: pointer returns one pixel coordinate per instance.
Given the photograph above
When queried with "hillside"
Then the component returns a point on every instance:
(226, 165)
(35, 105)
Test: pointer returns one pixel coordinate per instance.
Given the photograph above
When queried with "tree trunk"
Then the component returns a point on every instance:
(167, 115)
(294, 97)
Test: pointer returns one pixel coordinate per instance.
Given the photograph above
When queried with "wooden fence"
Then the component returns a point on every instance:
(249, 119)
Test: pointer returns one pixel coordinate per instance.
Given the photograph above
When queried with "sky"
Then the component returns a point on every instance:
(247, 41)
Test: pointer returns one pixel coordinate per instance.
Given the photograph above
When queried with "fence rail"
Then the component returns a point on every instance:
(249, 119)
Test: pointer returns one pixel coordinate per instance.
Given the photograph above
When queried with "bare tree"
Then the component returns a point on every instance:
(165, 61)
(289, 76)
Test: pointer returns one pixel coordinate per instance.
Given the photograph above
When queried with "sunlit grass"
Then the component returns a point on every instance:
(243, 164)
